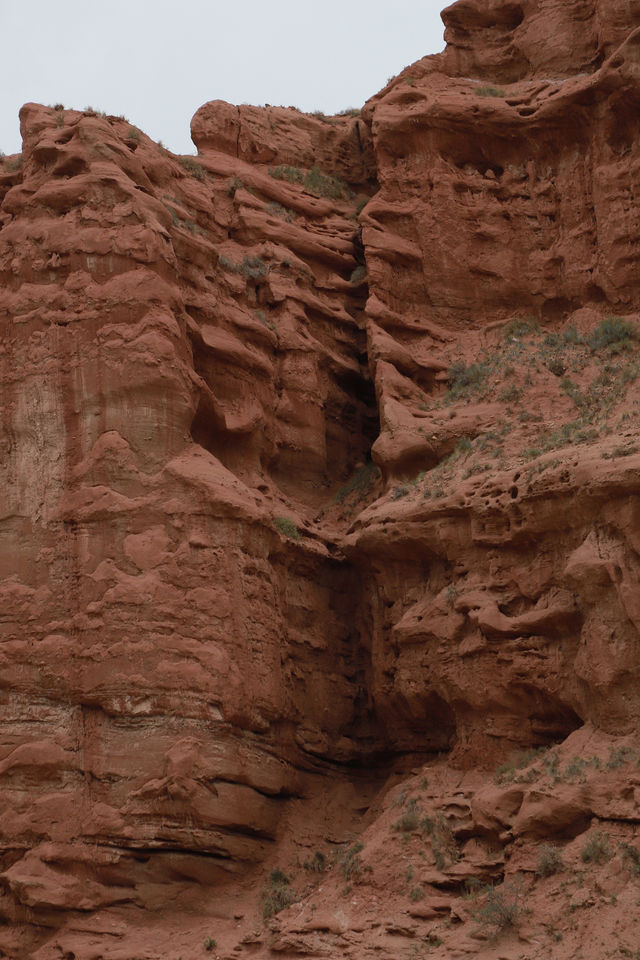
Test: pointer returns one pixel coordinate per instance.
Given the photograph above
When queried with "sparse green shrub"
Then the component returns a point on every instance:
(349, 112)
(319, 183)
(464, 380)
(234, 184)
(549, 860)
(620, 755)
(574, 769)
(359, 483)
(510, 394)
(490, 91)
(407, 822)
(551, 764)
(286, 527)
(134, 134)
(192, 167)
(210, 943)
(223, 261)
(416, 893)
(556, 366)
(284, 213)
(350, 863)
(451, 594)
(631, 857)
(317, 863)
(399, 492)
(252, 268)
(501, 907)
(571, 335)
(314, 181)
(613, 332)
(286, 172)
(573, 391)
(597, 849)
(277, 895)
(506, 772)
(443, 842)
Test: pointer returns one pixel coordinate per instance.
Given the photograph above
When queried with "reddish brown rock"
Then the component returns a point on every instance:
(320, 469)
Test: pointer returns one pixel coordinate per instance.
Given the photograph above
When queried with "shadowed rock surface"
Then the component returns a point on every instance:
(320, 530)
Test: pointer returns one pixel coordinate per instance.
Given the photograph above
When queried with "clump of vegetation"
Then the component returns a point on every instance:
(210, 943)
(317, 863)
(520, 327)
(277, 210)
(507, 771)
(287, 172)
(464, 380)
(490, 91)
(349, 112)
(134, 134)
(549, 860)
(574, 770)
(350, 863)
(614, 333)
(325, 186)
(597, 849)
(399, 492)
(286, 527)
(253, 268)
(277, 894)
(360, 483)
(314, 181)
(501, 906)
(416, 893)
(234, 184)
(408, 821)
(618, 757)
(358, 275)
(443, 841)
(192, 167)
(631, 856)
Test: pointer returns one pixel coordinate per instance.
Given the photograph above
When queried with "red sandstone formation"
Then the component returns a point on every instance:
(320, 467)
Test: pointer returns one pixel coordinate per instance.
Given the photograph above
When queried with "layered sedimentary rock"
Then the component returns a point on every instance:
(319, 501)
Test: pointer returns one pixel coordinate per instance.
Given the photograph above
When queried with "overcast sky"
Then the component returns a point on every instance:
(157, 61)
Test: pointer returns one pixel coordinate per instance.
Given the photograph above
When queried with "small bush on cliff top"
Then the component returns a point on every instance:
(193, 167)
(210, 943)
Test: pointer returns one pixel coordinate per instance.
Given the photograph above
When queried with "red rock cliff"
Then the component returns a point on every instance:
(320, 473)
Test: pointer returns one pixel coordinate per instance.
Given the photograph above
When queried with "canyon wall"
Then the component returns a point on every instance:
(320, 473)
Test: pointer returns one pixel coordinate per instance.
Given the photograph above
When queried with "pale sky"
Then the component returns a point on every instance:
(157, 61)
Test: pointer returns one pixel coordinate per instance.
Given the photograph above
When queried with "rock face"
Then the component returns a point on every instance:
(320, 474)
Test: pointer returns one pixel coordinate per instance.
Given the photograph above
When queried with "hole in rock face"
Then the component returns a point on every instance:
(429, 721)
(549, 720)
(514, 492)
(557, 309)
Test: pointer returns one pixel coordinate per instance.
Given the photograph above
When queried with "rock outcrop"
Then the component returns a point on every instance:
(320, 471)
